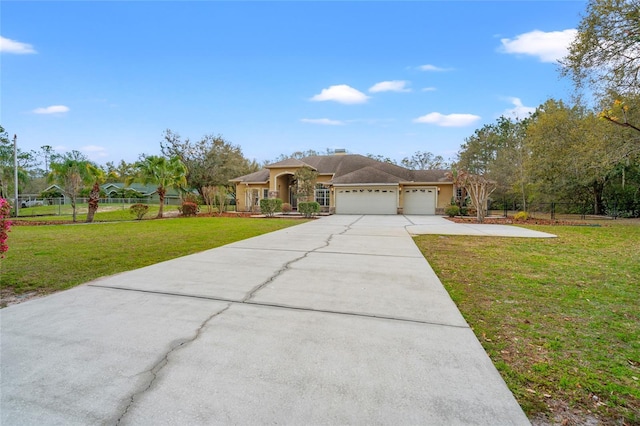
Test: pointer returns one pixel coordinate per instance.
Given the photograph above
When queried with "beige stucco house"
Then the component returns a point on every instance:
(350, 184)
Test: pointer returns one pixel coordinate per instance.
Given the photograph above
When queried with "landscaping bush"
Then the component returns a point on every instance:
(464, 211)
(192, 198)
(139, 210)
(286, 208)
(188, 209)
(452, 211)
(521, 216)
(5, 225)
(308, 209)
(269, 206)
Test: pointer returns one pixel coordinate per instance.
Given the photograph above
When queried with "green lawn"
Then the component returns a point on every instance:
(560, 318)
(56, 257)
(106, 212)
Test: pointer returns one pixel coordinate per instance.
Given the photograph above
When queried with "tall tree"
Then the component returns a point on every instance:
(573, 153)
(71, 173)
(211, 161)
(120, 172)
(498, 152)
(605, 54)
(46, 152)
(423, 160)
(163, 172)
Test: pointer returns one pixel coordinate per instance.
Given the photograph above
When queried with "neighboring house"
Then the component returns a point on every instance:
(117, 189)
(350, 184)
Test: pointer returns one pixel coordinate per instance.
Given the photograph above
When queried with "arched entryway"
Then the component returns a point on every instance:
(285, 185)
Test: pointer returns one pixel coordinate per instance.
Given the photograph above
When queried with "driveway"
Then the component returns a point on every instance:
(335, 321)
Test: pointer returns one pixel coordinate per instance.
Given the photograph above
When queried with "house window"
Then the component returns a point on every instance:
(265, 193)
(458, 193)
(322, 195)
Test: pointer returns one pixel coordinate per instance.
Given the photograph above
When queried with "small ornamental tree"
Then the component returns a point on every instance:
(139, 210)
(216, 197)
(306, 178)
(5, 225)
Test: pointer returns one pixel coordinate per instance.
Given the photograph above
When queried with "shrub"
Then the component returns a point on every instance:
(188, 209)
(452, 211)
(464, 211)
(5, 225)
(192, 198)
(286, 208)
(308, 209)
(521, 216)
(139, 210)
(269, 206)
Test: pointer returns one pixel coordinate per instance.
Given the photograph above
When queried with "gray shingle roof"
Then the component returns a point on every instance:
(260, 176)
(352, 169)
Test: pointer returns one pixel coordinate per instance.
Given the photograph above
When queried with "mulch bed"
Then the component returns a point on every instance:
(512, 221)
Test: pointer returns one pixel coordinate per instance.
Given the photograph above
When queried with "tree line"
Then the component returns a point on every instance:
(571, 151)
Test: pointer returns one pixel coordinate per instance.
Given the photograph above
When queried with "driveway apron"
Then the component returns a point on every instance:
(336, 321)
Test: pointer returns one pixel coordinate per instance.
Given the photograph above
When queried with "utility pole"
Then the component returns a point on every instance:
(15, 173)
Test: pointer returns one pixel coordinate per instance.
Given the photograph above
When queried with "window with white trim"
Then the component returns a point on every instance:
(322, 195)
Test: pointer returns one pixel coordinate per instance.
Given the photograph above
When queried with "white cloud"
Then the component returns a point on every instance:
(53, 109)
(429, 89)
(519, 111)
(547, 46)
(323, 121)
(94, 152)
(390, 86)
(429, 67)
(450, 120)
(11, 46)
(341, 93)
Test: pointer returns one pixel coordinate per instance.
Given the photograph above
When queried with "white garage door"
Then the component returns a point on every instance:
(366, 200)
(419, 200)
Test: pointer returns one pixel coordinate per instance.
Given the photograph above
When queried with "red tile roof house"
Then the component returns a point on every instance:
(350, 184)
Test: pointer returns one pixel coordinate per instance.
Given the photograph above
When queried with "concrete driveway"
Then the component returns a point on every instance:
(336, 321)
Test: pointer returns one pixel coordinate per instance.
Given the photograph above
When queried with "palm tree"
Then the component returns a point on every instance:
(97, 175)
(163, 172)
(71, 173)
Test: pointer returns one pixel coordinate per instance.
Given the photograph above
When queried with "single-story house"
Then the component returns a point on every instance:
(117, 189)
(350, 184)
(120, 190)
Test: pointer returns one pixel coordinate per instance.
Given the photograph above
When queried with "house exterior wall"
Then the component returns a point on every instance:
(241, 195)
(280, 179)
(444, 196)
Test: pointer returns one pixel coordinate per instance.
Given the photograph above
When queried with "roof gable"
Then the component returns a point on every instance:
(289, 162)
(367, 174)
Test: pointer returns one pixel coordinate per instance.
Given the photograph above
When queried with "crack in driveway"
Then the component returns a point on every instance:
(288, 264)
(164, 360)
(155, 370)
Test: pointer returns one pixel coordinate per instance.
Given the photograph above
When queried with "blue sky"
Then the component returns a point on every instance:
(386, 78)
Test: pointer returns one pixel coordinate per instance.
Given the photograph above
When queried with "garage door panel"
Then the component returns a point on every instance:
(421, 200)
(366, 201)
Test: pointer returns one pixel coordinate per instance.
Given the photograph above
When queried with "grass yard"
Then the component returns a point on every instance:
(106, 212)
(56, 257)
(560, 318)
